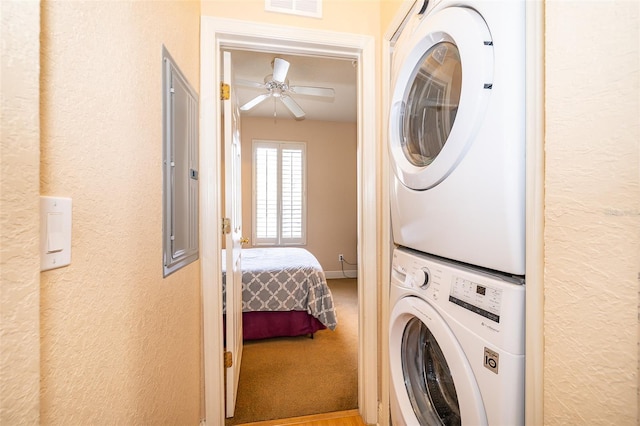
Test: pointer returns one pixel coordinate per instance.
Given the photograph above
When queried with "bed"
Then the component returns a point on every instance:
(284, 293)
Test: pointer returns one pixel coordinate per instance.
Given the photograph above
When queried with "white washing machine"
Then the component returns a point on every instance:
(456, 344)
(457, 133)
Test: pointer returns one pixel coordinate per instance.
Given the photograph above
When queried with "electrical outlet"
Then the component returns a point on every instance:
(340, 258)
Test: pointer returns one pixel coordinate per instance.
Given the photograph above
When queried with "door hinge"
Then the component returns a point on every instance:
(226, 225)
(224, 91)
(228, 359)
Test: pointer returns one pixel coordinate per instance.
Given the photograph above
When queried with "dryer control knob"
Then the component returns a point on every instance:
(421, 278)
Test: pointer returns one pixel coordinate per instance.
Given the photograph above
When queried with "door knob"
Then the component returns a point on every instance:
(244, 240)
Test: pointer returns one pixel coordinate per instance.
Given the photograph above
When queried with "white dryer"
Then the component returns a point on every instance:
(457, 133)
(456, 344)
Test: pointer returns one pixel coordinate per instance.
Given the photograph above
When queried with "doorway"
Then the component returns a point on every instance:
(217, 34)
(288, 376)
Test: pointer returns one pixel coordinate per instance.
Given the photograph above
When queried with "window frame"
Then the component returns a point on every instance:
(279, 240)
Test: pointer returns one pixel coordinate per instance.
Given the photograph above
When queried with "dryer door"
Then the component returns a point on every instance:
(432, 381)
(441, 88)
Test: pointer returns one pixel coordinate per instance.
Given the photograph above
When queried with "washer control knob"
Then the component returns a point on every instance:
(421, 278)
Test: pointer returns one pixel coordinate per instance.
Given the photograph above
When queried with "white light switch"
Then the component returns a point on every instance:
(55, 232)
(55, 239)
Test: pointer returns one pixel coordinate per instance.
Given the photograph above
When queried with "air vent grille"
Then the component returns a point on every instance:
(312, 8)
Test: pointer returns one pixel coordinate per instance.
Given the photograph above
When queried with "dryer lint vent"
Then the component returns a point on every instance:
(311, 8)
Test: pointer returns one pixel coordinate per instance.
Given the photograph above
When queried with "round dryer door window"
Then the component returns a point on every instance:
(441, 88)
(431, 104)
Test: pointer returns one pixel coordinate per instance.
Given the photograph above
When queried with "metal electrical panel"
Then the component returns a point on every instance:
(180, 167)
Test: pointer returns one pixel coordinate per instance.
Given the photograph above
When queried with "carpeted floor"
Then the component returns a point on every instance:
(298, 376)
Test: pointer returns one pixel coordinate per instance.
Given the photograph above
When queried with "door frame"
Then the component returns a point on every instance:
(219, 33)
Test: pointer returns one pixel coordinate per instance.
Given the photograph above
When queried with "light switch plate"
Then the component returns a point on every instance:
(55, 232)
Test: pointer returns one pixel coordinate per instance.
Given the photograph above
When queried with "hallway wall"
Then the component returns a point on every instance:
(358, 17)
(592, 212)
(19, 205)
(120, 344)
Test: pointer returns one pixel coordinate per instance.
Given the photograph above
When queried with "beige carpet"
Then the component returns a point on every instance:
(298, 376)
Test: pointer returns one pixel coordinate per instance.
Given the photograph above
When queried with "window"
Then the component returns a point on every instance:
(180, 168)
(279, 193)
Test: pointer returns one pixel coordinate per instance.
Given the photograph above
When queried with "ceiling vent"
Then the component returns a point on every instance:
(312, 8)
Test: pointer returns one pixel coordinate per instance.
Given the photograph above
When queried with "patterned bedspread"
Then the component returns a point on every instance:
(285, 279)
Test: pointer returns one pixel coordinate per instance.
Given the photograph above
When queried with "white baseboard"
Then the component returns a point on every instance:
(333, 275)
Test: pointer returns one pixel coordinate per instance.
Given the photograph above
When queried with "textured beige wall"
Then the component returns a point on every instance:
(592, 239)
(353, 16)
(332, 211)
(19, 222)
(388, 11)
(120, 344)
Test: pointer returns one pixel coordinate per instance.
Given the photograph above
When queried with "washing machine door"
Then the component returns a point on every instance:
(441, 82)
(432, 381)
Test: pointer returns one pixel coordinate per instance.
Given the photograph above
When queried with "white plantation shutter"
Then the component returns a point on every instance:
(291, 193)
(266, 193)
(279, 206)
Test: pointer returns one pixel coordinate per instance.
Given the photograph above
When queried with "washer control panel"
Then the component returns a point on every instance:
(481, 299)
(488, 304)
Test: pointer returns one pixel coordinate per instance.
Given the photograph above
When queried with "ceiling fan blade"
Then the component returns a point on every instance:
(293, 107)
(280, 69)
(254, 102)
(249, 83)
(313, 91)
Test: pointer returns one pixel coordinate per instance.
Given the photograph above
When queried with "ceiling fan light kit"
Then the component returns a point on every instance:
(277, 87)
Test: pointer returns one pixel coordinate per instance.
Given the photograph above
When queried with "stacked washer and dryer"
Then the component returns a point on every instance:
(457, 150)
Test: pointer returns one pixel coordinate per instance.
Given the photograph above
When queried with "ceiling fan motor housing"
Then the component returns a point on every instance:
(277, 86)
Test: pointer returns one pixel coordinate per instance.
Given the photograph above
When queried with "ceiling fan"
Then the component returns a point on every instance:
(277, 86)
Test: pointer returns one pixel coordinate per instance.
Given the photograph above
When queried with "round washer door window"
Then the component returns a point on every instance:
(441, 91)
(431, 378)
(427, 377)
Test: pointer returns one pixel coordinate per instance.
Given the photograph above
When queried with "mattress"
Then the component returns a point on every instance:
(284, 279)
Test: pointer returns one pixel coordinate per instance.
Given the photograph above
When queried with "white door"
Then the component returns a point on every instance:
(442, 80)
(233, 233)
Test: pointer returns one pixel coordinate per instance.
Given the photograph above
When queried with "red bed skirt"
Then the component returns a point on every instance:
(263, 325)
